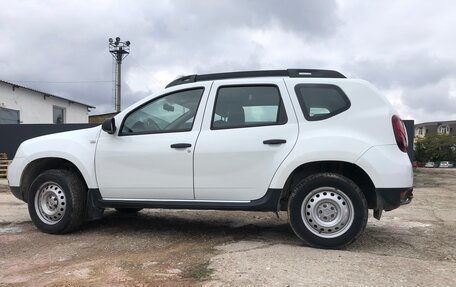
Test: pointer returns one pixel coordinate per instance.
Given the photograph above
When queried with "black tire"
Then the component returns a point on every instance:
(57, 201)
(128, 210)
(327, 210)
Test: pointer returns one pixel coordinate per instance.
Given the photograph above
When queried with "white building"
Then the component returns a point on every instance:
(28, 106)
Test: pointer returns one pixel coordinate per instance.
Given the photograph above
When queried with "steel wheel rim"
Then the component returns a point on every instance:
(50, 203)
(327, 212)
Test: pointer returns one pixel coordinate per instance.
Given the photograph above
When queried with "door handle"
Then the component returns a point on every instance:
(181, 145)
(274, 141)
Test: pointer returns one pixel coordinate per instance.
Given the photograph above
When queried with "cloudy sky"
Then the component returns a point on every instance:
(406, 48)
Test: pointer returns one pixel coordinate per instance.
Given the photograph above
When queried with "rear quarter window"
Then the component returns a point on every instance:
(321, 101)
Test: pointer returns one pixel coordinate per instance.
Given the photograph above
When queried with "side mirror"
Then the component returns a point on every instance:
(168, 107)
(109, 126)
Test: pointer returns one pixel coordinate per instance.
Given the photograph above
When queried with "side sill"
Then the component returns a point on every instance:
(268, 202)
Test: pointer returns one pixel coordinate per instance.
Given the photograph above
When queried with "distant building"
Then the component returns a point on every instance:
(433, 128)
(22, 105)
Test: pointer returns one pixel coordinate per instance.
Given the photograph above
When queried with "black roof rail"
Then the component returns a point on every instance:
(292, 73)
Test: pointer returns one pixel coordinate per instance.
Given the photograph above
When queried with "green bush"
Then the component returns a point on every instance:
(436, 148)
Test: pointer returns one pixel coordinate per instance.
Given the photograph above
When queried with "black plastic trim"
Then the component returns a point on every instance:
(180, 145)
(275, 141)
(292, 73)
(390, 198)
(268, 202)
(16, 191)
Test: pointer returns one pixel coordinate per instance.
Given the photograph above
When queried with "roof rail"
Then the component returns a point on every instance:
(292, 73)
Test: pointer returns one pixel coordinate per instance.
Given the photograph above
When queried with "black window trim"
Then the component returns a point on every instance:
(281, 104)
(157, 98)
(304, 107)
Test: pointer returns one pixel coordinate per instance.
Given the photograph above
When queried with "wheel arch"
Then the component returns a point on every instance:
(37, 166)
(349, 170)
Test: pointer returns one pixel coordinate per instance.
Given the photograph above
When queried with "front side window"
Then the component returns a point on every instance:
(321, 101)
(248, 106)
(170, 113)
(58, 115)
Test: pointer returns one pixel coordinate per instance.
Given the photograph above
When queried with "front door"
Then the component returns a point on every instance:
(151, 156)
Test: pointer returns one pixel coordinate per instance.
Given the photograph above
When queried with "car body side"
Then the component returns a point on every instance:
(362, 136)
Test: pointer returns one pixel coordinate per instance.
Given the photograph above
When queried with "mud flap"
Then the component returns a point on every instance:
(93, 211)
(378, 213)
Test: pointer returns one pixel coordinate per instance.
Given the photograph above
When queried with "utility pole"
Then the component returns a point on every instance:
(119, 51)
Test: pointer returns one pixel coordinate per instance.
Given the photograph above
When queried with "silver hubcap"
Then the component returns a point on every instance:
(50, 203)
(327, 212)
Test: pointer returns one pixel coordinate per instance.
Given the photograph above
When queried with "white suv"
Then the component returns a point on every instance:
(323, 147)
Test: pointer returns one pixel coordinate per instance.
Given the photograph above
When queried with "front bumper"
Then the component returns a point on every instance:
(14, 177)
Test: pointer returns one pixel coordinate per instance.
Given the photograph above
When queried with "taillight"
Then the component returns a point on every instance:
(400, 133)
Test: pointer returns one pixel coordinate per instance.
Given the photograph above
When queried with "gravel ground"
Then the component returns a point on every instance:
(411, 246)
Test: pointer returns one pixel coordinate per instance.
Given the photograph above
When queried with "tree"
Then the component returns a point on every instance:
(436, 148)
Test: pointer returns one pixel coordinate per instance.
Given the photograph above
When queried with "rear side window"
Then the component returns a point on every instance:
(321, 101)
(248, 106)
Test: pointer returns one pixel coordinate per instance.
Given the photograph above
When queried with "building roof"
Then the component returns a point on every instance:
(46, 94)
(437, 123)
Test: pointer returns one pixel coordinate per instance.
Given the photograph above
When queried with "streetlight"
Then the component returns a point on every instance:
(119, 51)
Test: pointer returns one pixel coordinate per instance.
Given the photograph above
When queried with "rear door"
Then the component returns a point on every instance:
(248, 130)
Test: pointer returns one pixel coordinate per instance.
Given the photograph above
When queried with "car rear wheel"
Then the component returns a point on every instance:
(56, 201)
(327, 210)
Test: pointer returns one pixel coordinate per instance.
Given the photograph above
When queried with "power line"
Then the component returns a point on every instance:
(59, 82)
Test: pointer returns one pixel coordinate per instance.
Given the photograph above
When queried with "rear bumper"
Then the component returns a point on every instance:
(391, 198)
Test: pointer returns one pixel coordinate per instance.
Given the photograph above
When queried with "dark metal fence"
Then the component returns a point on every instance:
(12, 135)
(410, 127)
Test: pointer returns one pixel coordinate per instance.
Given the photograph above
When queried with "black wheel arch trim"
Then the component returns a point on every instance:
(17, 192)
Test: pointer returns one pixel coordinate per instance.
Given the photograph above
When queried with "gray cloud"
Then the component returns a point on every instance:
(425, 80)
(396, 45)
(411, 70)
(432, 98)
(67, 40)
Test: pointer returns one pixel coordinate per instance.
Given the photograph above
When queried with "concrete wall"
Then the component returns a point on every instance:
(36, 108)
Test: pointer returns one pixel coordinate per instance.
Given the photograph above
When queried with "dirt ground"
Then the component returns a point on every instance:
(414, 245)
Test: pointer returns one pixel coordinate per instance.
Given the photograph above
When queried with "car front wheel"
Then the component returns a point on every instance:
(56, 201)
